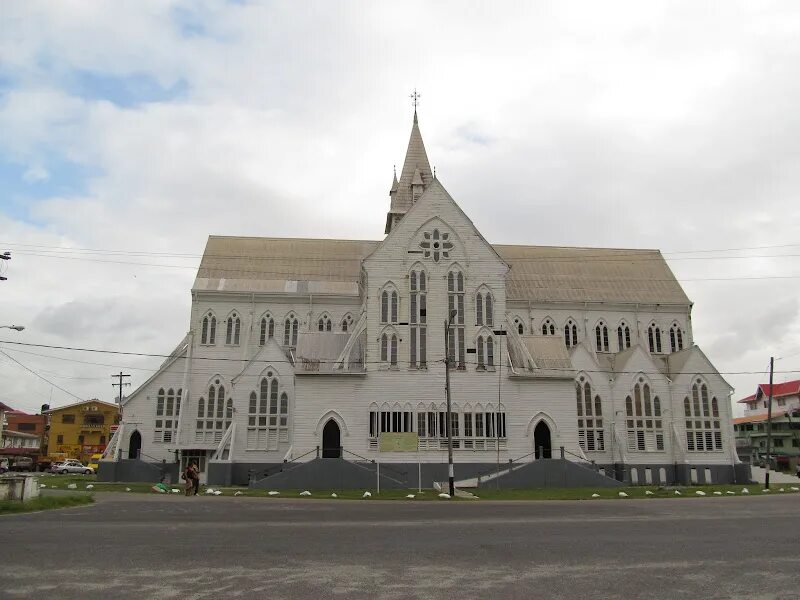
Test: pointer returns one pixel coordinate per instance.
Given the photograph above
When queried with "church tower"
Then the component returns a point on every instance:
(414, 178)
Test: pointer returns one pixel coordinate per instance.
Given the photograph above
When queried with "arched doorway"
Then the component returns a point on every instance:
(135, 445)
(331, 440)
(541, 441)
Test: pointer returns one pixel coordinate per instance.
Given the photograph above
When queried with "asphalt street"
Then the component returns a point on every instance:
(138, 546)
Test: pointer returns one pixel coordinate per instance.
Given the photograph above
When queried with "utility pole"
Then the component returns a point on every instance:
(120, 385)
(5, 256)
(449, 419)
(769, 420)
(500, 333)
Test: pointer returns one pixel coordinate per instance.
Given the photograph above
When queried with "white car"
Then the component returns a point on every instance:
(71, 466)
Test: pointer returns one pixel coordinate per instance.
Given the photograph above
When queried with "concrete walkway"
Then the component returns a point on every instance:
(759, 475)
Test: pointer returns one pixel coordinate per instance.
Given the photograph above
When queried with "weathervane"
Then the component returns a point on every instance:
(415, 99)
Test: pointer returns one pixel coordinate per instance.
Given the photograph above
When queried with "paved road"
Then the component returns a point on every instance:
(137, 546)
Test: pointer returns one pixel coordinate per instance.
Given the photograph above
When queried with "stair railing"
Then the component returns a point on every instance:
(384, 466)
(279, 468)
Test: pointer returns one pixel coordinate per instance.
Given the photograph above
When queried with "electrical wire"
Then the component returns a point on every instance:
(332, 360)
(42, 377)
(307, 274)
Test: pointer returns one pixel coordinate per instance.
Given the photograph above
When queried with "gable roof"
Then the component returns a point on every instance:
(564, 274)
(788, 388)
(762, 417)
(537, 273)
(74, 404)
(431, 192)
(281, 265)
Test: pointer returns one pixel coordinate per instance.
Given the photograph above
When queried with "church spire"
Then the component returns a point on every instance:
(414, 177)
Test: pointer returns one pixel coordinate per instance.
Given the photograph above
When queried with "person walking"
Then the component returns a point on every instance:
(195, 479)
(188, 485)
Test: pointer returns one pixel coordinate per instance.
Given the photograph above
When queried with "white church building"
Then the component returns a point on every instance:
(301, 352)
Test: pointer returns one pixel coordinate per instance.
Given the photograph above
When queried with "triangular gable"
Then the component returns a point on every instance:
(164, 366)
(694, 361)
(426, 206)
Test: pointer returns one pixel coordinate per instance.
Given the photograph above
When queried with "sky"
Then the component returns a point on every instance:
(130, 131)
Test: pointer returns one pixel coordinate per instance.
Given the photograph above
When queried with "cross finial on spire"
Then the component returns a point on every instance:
(415, 99)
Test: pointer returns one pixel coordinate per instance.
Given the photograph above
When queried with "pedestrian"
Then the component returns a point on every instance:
(195, 478)
(188, 485)
(797, 470)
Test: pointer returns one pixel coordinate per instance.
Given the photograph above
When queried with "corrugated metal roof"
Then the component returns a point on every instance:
(538, 273)
(282, 265)
(562, 274)
(548, 351)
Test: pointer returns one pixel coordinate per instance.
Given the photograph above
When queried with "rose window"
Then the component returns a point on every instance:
(436, 245)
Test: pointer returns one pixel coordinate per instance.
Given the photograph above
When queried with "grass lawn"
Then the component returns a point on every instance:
(44, 503)
(489, 493)
(632, 492)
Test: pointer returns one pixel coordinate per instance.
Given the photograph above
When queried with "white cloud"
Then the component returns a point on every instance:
(662, 125)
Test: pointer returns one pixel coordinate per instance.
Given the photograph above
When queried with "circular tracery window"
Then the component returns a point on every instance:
(436, 245)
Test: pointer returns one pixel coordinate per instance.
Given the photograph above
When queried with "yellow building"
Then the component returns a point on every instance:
(81, 429)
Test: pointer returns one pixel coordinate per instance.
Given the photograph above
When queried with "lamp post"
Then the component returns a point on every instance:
(449, 421)
(14, 327)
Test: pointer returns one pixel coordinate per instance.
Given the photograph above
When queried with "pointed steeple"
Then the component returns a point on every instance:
(414, 178)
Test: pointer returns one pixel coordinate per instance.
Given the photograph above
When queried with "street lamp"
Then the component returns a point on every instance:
(449, 422)
(14, 327)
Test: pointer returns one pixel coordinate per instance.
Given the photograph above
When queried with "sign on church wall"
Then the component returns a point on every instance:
(398, 442)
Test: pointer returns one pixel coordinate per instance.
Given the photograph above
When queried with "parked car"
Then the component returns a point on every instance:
(71, 466)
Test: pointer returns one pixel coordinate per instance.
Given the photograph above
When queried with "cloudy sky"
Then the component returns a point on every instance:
(130, 131)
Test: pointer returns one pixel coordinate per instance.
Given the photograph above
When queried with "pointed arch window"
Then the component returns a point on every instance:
(703, 425)
(389, 348)
(455, 302)
(601, 337)
(267, 330)
(291, 326)
(654, 338)
(214, 420)
(347, 323)
(232, 330)
(324, 323)
(485, 352)
(208, 334)
(571, 334)
(548, 328)
(168, 407)
(623, 336)
(591, 434)
(389, 306)
(645, 426)
(418, 320)
(675, 338)
(484, 309)
(520, 327)
(268, 415)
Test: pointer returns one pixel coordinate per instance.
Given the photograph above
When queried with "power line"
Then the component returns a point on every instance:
(526, 277)
(332, 360)
(611, 255)
(187, 255)
(43, 378)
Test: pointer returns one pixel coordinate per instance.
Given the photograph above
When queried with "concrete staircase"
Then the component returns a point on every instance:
(330, 474)
(759, 476)
(553, 472)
